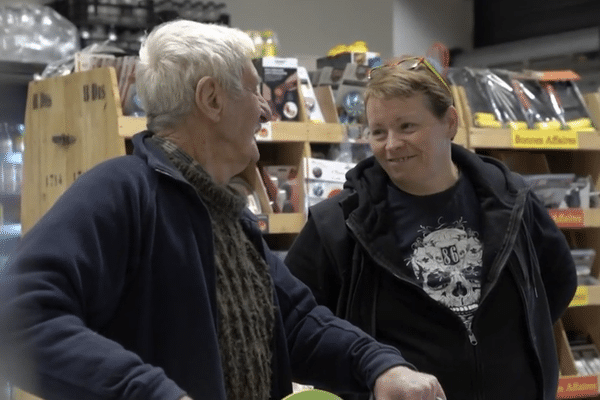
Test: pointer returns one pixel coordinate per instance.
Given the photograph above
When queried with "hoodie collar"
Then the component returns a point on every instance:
(496, 186)
(489, 176)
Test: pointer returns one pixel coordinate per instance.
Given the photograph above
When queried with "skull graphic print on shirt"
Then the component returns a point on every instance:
(447, 261)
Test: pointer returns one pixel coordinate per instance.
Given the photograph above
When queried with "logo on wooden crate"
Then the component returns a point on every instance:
(93, 92)
(41, 100)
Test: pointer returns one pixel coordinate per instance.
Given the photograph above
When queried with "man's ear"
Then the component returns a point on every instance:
(451, 118)
(210, 97)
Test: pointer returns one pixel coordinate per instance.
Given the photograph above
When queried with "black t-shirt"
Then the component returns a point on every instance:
(439, 238)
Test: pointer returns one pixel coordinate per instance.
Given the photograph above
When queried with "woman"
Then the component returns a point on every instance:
(442, 253)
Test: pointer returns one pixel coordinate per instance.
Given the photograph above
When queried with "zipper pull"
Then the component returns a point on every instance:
(472, 337)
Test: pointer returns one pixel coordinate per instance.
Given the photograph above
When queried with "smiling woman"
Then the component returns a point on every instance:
(439, 251)
(411, 144)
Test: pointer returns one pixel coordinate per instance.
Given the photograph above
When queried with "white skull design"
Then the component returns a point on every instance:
(448, 262)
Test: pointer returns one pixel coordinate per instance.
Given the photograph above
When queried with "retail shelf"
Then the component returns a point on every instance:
(271, 132)
(281, 223)
(570, 387)
(586, 296)
(301, 132)
(576, 217)
(280, 131)
(19, 72)
(129, 126)
(485, 138)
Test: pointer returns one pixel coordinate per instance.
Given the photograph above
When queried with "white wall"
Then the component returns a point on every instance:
(309, 28)
(312, 27)
(420, 23)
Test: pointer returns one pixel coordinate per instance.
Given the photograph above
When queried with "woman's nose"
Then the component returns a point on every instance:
(393, 141)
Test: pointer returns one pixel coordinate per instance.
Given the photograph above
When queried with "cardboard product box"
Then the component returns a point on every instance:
(350, 94)
(339, 61)
(313, 107)
(285, 179)
(330, 76)
(324, 179)
(279, 86)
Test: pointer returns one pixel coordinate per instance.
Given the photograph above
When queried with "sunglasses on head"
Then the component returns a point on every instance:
(410, 64)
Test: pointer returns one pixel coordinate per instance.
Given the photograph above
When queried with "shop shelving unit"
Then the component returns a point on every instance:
(579, 154)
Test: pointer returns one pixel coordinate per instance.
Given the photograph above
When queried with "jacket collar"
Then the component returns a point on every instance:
(154, 156)
(158, 160)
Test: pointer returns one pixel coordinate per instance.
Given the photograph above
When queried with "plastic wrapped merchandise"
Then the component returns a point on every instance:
(36, 34)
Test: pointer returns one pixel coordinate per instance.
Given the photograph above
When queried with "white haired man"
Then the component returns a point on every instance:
(148, 279)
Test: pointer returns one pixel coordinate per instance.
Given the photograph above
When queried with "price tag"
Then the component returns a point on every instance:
(581, 298)
(568, 217)
(577, 386)
(265, 133)
(263, 223)
(545, 139)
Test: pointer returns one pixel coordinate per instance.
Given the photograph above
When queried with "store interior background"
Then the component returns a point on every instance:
(513, 34)
(551, 34)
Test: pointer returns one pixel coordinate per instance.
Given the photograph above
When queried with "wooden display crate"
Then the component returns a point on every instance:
(76, 121)
(72, 125)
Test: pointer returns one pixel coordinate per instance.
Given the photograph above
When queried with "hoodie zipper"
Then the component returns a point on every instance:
(383, 264)
(470, 335)
(494, 273)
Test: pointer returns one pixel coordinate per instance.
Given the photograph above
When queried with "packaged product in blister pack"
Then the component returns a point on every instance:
(523, 100)
(490, 96)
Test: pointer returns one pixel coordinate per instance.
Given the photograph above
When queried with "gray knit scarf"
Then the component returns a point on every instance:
(244, 289)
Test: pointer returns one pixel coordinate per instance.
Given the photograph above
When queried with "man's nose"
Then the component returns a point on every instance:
(265, 111)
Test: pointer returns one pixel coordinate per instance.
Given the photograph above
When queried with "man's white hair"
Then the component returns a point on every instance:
(176, 55)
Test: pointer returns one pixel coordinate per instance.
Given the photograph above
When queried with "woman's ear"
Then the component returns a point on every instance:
(451, 118)
(210, 98)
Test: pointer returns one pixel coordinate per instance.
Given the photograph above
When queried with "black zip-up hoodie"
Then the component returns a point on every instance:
(346, 248)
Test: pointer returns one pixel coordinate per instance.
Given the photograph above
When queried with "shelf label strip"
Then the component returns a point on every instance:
(577, 386)
(581, 298)
(545, 139)
(568, 217)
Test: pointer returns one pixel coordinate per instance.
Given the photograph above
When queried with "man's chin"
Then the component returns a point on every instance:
(256, 154)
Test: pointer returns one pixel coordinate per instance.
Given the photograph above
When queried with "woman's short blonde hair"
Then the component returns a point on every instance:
(393, 80)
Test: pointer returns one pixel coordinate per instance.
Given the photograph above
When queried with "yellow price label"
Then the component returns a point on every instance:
(581, 298)
(545, 139)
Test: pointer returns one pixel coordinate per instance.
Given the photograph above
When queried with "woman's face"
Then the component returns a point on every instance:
(412, 144)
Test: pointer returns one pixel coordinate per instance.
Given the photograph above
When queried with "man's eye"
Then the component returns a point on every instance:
(408, 126)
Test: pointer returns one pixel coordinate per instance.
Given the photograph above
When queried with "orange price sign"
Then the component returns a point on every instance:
(577, 386)
(568, 217)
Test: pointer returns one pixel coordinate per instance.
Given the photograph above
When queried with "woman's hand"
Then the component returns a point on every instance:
(402, 383)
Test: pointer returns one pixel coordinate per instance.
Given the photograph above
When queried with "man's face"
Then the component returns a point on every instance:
(242, 117)
(410, 142)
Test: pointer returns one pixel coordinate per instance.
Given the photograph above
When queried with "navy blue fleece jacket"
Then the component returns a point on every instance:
(111, 295)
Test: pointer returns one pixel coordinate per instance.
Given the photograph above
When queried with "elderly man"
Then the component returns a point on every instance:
(148, 279)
